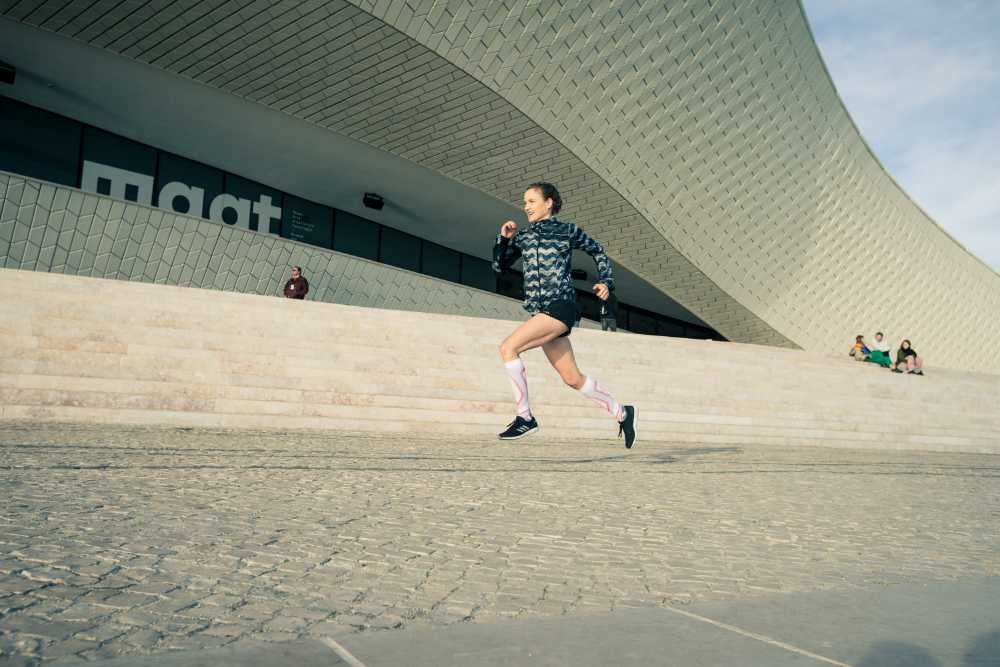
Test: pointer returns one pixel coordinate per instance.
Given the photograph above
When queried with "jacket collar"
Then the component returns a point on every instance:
(546, 221)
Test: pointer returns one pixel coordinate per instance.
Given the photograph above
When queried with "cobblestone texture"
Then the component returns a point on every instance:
(118, 540)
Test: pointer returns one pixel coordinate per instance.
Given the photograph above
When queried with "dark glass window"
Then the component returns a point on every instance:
(400, 249)
(183, 179)
(702, 333)
(111, 149)
(265, 202)
(442, 262)
(667, 327)
(623, 315)
(38, 144)
(641, 323)
(478, 273)
(356, 236)
(308, 222)
(117, 167)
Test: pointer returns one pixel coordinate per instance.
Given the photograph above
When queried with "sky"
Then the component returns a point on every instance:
(921, 78)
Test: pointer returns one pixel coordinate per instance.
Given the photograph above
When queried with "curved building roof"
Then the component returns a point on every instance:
(704, 143)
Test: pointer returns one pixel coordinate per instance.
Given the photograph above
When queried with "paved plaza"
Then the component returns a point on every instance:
(127, 541)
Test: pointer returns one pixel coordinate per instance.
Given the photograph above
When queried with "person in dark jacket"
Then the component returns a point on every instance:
(297, 286)
(609, 313)
(907, 360)
(546, 247)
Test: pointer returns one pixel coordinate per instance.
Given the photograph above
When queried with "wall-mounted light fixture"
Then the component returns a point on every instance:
(372, 200)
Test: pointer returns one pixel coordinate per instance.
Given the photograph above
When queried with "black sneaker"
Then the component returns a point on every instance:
(519, 428)
(626, 426)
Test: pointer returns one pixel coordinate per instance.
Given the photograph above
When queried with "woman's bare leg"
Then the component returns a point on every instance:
(560, 354)
(536, 331)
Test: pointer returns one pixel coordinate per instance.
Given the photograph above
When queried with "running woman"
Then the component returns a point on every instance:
(546, 246)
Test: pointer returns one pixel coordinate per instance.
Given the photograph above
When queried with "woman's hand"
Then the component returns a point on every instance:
(602, 291)
(508, 229)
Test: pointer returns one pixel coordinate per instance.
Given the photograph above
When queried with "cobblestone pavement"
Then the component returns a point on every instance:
(120, 540)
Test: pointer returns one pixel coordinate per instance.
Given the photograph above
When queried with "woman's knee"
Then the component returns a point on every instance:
(508, 352)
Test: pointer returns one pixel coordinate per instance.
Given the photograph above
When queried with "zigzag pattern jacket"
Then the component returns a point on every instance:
(547, 249)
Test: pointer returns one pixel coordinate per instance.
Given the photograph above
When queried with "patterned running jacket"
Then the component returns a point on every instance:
(547, 249)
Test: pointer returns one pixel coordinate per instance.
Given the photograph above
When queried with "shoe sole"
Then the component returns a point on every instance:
(635, 427)
(523, 435)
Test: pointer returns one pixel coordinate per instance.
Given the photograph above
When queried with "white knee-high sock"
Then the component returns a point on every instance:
(592, 390)
(519, 383)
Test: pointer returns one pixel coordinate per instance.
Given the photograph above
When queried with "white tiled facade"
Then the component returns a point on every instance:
(704, 141)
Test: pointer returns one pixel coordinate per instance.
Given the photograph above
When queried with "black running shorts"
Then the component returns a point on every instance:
(567, 312)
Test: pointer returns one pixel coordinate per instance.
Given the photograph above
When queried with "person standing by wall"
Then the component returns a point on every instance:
(609, 313)
(297, 286)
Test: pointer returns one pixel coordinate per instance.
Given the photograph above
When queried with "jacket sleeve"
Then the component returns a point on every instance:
(579, 240)
(505, 253)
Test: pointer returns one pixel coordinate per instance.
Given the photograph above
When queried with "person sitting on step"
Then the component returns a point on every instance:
(880, 354)
(907, 360)
(859, 350)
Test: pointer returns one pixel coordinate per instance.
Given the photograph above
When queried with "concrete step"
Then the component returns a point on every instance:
(588, 423)
(467, 336)
(290, 361)
(476, 342)
(265, 388)
(101, 350)
(138, 360)
(366, 392)
(448, 430)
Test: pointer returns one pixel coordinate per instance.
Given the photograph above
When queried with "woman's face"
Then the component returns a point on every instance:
(535, 207)
(906, 345)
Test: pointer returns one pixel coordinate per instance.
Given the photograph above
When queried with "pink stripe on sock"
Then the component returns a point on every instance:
(591, 389)
(518, 376)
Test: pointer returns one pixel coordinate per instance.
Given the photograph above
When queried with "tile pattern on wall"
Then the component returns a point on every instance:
(46, 227)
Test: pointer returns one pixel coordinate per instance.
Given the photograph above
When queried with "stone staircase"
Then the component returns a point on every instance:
(95, 350)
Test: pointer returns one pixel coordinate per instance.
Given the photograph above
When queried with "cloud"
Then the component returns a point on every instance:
(894, 80)
(922, 82)
(958, 182)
